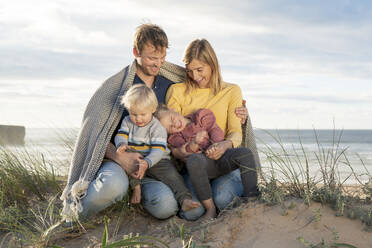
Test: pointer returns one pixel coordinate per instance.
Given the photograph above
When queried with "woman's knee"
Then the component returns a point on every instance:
(243, 156)
(223, 199)
(193, 214)
(158, 199)
(161, 206)
(226, 188)
(242, 151)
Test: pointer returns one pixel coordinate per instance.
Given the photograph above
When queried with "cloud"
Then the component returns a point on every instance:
(39, 63)
(271, 36)
(299, 54)
(315, 97)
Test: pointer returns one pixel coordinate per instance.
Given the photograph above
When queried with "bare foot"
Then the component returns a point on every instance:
(136, 195)
(189, 204)
(210, 214)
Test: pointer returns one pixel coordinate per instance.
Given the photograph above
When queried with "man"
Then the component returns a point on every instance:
(95, 183)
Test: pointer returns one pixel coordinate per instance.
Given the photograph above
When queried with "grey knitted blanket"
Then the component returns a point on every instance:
(100, 119)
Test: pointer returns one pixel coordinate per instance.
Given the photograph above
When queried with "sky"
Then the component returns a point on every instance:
(300, 64)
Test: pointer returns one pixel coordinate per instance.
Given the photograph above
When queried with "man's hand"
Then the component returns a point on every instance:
(110, 151)
(127, 160)
(242, 112)
(142, 167)
(216, 150)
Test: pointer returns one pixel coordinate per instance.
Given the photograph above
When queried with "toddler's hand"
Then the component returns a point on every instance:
(142, 167)
(122, 148)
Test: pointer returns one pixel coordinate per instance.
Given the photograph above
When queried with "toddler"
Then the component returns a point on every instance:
(143, 133)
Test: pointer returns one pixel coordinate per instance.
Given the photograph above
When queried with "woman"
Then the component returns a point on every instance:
(204, 88)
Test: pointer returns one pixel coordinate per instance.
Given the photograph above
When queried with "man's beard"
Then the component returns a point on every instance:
(146, 71)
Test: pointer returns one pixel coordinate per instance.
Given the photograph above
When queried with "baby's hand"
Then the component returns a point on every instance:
(192, 147)
(122, 148)
(200, 136)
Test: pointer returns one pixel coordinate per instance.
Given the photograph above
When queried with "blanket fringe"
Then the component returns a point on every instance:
(71, 197)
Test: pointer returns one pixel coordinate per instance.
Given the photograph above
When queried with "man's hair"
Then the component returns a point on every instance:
(150, 33)
(140, 96)
(202, 50)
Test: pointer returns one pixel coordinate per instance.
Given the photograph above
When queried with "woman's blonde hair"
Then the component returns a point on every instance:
(140, 96)
(202, 50)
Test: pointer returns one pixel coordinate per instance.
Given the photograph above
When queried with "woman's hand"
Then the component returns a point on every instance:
(216, 150)
(181, 152)
(242, 112)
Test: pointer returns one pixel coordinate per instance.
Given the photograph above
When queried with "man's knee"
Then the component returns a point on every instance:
(117, 187)
(112, 183)
(110, 186)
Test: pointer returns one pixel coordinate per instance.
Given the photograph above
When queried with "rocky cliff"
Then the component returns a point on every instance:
(12, 135)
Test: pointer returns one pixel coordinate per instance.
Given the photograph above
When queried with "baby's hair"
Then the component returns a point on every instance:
(141, 97)
(162, 108)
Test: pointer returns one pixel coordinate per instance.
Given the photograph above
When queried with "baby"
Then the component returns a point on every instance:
(198, 130)
(143, 133)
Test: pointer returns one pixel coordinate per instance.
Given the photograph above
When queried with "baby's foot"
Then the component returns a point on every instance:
(189, 204)
(210, 214)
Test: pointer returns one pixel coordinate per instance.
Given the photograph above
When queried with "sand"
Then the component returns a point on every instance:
(251, 225)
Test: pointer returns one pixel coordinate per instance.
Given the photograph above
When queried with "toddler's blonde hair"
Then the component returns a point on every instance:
(140, 96)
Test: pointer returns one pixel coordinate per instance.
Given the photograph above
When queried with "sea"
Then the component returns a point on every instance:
(282, 152)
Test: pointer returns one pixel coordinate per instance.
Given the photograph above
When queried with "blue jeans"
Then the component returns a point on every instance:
(224, 189)
(111, 185)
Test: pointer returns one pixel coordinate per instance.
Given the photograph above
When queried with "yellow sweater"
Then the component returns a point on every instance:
(222, 105)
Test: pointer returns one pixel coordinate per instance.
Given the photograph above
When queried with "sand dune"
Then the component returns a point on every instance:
(251, 225)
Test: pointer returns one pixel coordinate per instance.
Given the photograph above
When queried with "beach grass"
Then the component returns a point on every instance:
(130, 240)
(28, 195)
(30, 187)
(288, 175)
